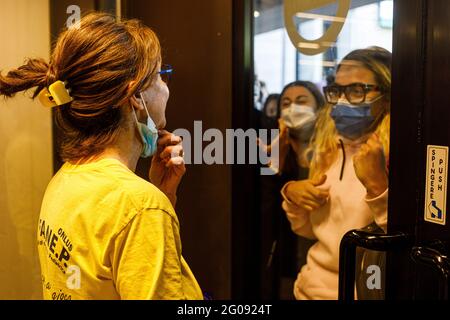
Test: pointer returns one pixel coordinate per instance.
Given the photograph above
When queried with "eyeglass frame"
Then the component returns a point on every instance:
(343, 89)
(168, 69)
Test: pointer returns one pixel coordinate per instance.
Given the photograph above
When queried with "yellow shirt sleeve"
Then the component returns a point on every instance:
(146, 258)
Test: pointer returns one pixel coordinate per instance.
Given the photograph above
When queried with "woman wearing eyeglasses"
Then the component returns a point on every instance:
(348, 184)
(103, 232)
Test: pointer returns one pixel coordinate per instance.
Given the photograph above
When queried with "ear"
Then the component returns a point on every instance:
(135, 100)
(136, 103)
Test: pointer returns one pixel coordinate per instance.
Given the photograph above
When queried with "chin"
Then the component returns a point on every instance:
(162, 125)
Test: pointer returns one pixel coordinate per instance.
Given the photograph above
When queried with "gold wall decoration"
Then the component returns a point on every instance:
(300, 8)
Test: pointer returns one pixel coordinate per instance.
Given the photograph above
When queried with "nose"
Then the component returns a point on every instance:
(342, 99)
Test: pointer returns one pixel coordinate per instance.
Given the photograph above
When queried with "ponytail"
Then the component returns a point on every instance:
(97, 62)
(32, 74)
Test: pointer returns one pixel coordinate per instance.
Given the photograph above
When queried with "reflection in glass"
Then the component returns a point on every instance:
(355, 93)
(278, 62)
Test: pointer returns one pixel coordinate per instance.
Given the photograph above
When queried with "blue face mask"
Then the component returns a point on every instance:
(352, 121)
(148, 133)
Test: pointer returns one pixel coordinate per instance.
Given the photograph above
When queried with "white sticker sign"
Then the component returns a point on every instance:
(436, 184)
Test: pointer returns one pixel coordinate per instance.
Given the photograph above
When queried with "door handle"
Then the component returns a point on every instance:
(438, 262)
(368, 240)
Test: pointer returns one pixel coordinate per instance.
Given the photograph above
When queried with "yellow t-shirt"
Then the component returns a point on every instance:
(105, 233)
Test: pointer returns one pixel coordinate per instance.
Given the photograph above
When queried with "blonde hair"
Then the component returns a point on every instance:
(323, 148)
(98, 60)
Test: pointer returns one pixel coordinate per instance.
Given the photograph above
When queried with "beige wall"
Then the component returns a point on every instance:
(25, 150)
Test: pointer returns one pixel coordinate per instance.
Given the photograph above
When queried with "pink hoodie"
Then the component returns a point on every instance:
(347, 208)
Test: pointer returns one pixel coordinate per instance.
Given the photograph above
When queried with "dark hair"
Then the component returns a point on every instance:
(98, 58)
(320, 100)
(271, 97)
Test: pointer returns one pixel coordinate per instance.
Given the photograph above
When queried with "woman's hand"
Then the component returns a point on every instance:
(281, 139)
(370, 167)
(281, 142)
(305, 193)
(282, 126)
(167, 166)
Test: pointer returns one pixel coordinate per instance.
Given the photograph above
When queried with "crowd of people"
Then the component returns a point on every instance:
(332, 166)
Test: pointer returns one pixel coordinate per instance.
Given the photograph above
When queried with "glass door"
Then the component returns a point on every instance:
(298, 45)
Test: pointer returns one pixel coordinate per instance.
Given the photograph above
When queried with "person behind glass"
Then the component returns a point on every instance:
(270, 112)
(103, 232)
(348, 181)
(299, 104)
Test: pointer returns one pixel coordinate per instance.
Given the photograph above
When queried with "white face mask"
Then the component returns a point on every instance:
(297, 116)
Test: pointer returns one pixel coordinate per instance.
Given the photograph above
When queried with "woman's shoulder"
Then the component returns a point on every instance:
(122, 182)
(144, 194)
(139, 197)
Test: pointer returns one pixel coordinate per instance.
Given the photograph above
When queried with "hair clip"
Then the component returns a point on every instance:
(55, 95)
